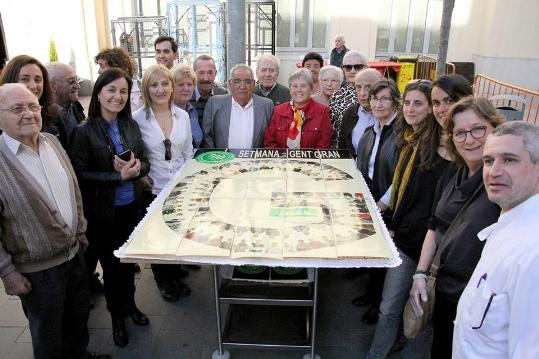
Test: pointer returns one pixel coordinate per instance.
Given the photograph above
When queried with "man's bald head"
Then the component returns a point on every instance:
(11, 90)
(64, 83)
(363, 82)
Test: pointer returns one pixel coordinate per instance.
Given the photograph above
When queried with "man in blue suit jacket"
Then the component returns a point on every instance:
(237, 120)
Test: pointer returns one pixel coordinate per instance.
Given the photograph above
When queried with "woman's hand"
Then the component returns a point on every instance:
(119, 163)
(147, 182)
(381, 206)
(418, 294)
(130, 170)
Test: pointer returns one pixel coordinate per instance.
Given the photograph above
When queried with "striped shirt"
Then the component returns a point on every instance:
(47, 170)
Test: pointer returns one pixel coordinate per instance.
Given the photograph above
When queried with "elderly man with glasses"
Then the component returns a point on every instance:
(340, 101)
(237, 120)
(65, 89)
(43, 230)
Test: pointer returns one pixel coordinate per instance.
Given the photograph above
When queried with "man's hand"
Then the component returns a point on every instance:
(418, 295)
(16, 284)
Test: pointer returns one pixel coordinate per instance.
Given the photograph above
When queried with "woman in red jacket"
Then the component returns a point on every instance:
(302, 122)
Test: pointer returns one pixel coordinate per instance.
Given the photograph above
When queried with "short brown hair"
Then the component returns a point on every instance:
(482, 108)
(117, 57)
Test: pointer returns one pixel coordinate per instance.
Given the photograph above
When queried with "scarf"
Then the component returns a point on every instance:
(402, 175)
(294, 130)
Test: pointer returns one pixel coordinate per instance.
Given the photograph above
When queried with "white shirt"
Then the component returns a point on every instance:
(48, 171)
(162, 171)
(507, 276)
(240, 132)
(365, 119)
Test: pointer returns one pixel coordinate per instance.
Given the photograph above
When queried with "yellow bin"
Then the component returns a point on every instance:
(406, 72)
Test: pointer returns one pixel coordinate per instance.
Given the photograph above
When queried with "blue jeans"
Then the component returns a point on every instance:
(397, 285)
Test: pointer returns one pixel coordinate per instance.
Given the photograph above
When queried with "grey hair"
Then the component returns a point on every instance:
(301, 74)
(53, 68)
(241, 66)
(528, 132)
(331, 70)
(271, 58)
(363, 58)
(340, 37)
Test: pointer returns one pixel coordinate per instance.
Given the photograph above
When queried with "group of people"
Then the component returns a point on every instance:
(441, 165)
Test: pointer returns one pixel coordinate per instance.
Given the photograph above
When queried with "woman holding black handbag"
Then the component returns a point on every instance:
(459, 191)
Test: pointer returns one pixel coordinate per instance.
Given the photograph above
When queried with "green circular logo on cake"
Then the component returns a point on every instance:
(215, 157)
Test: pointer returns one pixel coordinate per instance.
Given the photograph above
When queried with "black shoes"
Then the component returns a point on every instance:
(119, 333)
(137, 316)
(168, 291)
(371, 316)
(171, 291)
(362, 300)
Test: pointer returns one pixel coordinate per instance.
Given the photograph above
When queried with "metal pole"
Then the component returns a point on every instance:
(235, 31)
(217, 307)
(315, 310)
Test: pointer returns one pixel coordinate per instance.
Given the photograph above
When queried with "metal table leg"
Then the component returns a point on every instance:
(218, 354)
(315, 315)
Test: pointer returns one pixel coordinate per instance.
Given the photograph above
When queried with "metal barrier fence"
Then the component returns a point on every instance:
(425, 68)
(487, 87)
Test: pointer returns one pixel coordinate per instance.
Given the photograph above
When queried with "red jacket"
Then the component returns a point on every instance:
(316, 130)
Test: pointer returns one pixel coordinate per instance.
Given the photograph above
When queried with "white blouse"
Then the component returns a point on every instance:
(162, 171)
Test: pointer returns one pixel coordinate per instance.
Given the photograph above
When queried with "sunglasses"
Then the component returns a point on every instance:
(168, 153)
(356, 67)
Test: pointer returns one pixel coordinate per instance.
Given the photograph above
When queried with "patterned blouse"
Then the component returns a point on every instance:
(338, 103)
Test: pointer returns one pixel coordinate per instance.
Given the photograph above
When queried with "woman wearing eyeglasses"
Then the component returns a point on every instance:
(302, 122)
(461, 192)
(346, 96)
(377, 156)
(108, 157)
(418, 169)
(166, 133)
(30, 72)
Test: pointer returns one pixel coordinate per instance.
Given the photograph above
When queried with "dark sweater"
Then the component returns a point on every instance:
(279, 94)
(458, 193)
(200, 105)
(411, 218)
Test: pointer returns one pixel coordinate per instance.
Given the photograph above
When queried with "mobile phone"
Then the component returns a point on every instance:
(125, 155)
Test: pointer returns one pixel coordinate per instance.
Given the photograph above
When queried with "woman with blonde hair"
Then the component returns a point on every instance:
(166, 133)
(185, 81)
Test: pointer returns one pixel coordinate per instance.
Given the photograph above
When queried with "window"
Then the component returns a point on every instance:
(408, 26)
(302, 24)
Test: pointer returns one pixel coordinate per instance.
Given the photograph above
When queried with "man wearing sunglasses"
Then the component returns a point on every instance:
(65, 88)
(497, 313)
(353, 62)
(237, 120)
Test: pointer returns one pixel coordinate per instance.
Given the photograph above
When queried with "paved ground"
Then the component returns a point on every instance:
(187, 329)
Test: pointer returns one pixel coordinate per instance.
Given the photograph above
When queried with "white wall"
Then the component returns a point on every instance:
(500, 36)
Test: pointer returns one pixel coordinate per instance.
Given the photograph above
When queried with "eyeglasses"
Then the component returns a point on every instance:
(73, 82)
(168, 153)
(476, 132)
(383, 99)
(239, 81)
(356, 67)
(20, 109)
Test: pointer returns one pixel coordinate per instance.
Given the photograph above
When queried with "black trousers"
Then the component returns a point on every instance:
(445, 312)
(57, 309)
(119, 278)
(162, 273)
(375, 286)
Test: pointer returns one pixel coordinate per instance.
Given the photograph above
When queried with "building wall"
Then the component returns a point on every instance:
(500, 37)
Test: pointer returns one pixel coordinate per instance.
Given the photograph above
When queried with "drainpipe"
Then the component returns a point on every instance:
(235, 33)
